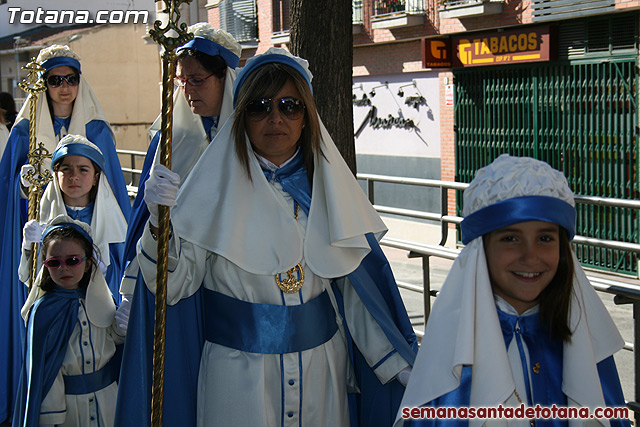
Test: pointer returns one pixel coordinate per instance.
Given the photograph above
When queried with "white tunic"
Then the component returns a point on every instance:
(90, 348)
(241, 388)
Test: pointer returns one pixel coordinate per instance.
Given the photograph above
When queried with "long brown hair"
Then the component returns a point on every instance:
(266, 82)
(555, 299)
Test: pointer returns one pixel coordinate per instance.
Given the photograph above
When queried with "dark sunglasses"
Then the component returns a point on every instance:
(72, 261)
(71, 79)
(291, 108)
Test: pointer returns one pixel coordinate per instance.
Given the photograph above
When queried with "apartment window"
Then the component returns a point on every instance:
(280, 16)
(238, 18)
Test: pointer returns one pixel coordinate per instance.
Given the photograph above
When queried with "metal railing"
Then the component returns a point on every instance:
(625, 293)
(132, 173)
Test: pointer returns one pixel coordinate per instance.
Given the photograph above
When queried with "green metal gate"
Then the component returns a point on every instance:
(580, 118)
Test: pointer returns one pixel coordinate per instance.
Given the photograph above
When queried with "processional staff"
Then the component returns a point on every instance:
(38, 177)
(169, 43)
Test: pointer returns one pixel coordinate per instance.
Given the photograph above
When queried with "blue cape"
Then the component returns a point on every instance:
(12, 218)
(51, 322)
(376, 405)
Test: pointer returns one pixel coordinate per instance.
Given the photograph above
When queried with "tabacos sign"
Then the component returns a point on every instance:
(533, 44)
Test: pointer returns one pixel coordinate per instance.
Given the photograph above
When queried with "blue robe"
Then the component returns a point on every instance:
(12, 218)
(374, 283)
(545, 387)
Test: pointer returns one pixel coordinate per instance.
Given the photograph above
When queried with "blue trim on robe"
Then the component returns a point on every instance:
(51, 322)
(377, 405)
(12, 218)
(547, 353)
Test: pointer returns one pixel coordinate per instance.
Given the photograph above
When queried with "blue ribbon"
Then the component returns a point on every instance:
(59, 61)
(211, 48)
(543, 373)
(90, 383)
(267, 328)
(76, 149)
(519, 209)
(261, 60)
(294, 180)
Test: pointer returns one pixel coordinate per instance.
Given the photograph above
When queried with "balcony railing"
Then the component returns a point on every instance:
(383, 7)
(469, 8)
(398, 13)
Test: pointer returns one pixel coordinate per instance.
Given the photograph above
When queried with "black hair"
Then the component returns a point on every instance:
(94, 190)
(214, 64)
(555, 299)
(49, 103)
(47, 283)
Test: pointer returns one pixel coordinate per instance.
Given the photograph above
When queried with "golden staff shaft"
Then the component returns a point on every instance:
(35, 191)
(164, 225)
(164, 222)
(33, 85)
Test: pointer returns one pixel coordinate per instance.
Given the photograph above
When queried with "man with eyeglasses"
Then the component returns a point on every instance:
(69, 106)
(203, 101)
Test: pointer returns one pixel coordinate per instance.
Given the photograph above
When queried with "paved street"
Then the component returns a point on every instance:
(410, 271)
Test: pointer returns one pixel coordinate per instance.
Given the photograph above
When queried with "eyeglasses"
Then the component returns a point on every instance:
(56, 81)
(292, 108)
(193, 81)
(72, 261)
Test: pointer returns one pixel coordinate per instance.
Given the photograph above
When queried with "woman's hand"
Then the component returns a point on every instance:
(160, 189)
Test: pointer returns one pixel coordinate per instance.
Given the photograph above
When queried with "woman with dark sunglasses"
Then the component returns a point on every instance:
(68, 106)
(70, 374)
(274, 237)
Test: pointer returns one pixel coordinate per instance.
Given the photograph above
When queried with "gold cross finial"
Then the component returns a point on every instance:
(159, 33)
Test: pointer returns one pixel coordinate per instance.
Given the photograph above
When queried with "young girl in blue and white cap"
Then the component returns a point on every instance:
(70, 373)
(517, 321)
(68, 106)
(81, 190)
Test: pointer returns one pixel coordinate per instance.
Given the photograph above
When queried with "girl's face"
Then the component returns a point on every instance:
(76, 176)
(65, 94)
(65, 276)
(522, 260)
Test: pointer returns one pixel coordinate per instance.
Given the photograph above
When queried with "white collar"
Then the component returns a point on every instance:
(507, 308)
(272, 166)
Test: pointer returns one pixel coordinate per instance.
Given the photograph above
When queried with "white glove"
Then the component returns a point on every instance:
(403, 376)
(24, 170)
(122, 314)
(31, 233)
(160, 189)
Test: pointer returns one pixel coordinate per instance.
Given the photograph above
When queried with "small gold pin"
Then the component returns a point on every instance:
(536, 368)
